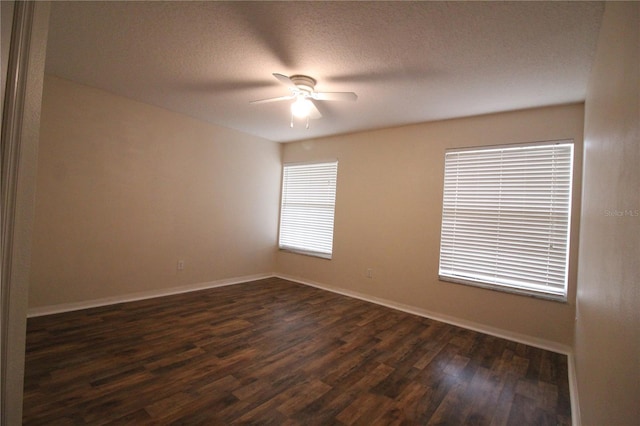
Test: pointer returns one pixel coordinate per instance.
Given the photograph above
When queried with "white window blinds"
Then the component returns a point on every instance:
(506, 217)
(307, 210)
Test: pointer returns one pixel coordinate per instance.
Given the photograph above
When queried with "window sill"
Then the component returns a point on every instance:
(306, 253)
(504, 289)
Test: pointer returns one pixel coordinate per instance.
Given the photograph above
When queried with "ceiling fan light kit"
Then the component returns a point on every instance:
(303, 94)
(301, 107)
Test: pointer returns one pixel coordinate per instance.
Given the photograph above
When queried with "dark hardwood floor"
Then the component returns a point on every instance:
(275, 352)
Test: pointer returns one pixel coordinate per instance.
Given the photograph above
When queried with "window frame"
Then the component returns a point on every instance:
(551, 292)
(322, 219)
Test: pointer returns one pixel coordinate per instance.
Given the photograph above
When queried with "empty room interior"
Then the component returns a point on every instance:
(321, 213)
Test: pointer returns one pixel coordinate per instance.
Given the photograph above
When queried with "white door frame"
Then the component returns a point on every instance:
(19, 147)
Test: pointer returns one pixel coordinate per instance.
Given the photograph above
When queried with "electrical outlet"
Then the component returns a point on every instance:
(180, 265)
(369, 273)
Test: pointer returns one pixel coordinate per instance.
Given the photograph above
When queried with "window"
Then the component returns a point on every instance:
(308, 204)
(506, 217)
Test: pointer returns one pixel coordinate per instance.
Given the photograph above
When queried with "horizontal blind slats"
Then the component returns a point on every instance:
(506, 216)
(307, 209)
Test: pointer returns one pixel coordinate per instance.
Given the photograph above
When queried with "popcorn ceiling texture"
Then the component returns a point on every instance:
(407, 61)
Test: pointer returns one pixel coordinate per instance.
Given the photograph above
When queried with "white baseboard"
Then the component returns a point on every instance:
(493, 331)
(517, 337)
(131, 297)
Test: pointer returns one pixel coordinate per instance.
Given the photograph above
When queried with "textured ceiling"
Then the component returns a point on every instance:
(407, 61)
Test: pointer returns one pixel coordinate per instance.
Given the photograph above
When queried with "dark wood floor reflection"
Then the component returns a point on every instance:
(275, 352)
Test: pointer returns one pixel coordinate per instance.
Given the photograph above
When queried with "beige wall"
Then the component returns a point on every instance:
(126, 189)
(388, 213)
(607, 339)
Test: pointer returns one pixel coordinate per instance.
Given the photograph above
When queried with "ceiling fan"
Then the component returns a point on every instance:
(302, 90)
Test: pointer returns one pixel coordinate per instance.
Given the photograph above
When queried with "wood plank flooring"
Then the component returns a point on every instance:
(275, 352)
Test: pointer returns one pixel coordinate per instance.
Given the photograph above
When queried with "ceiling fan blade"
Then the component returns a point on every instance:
(314, 114)
(279, 98)
(285, 80)
(334, 96)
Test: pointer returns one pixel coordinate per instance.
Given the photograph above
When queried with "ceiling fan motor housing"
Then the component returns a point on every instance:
(303, 82)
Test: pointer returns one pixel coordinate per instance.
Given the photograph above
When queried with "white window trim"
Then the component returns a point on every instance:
(322, 219)
(551, 292)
